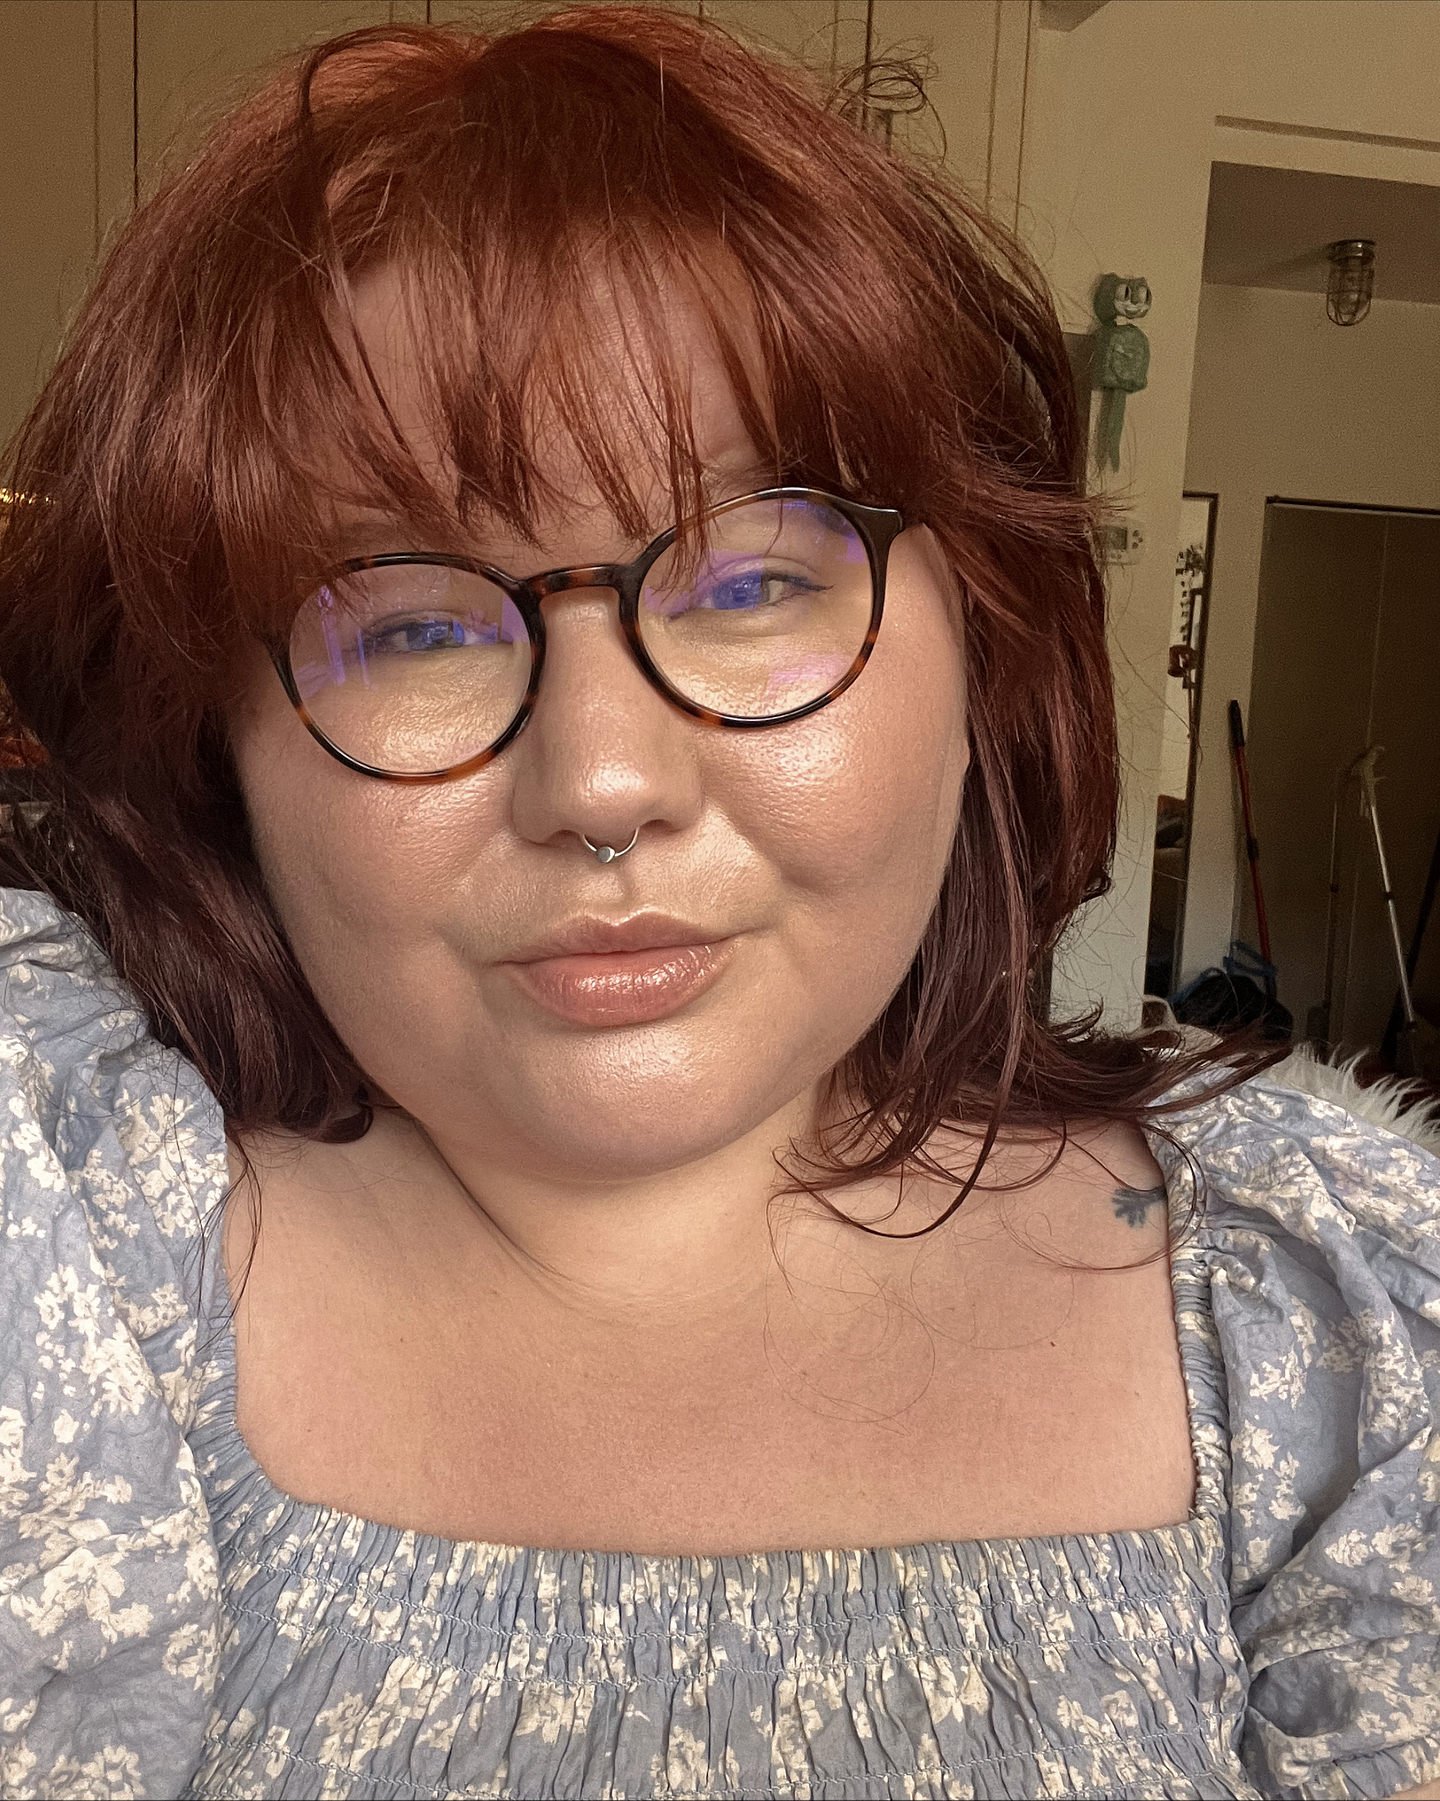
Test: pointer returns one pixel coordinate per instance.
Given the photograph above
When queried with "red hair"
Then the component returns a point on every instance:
(188, 441)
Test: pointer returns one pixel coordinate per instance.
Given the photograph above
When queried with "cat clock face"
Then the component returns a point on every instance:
(1122, 298)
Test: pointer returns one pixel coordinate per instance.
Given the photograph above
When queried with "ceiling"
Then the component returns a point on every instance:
(1268, 228)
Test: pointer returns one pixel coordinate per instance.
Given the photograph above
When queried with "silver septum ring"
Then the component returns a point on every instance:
(605, 853)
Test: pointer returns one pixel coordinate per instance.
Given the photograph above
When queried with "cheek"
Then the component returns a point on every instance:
(348, 860)
(856, 807)
(878, 772)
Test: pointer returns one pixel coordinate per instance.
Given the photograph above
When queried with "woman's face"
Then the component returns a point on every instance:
(807, 858)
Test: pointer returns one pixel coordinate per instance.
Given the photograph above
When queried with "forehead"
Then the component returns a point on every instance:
(609, 362)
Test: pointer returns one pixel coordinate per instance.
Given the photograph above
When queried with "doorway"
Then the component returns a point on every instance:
(1347, 659)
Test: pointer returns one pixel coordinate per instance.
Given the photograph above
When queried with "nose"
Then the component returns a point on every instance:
(603, 755)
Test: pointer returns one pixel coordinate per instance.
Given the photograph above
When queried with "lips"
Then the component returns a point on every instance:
(598, 973)
(603, 937)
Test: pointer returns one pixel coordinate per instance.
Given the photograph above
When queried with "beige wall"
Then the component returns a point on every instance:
(1125, 118)
(194, 55)
(65, 128)
(1287, 404)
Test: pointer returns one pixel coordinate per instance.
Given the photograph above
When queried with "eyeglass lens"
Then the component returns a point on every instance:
(417, 666)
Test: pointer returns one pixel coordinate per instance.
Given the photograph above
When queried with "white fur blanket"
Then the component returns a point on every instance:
(1397, 1105)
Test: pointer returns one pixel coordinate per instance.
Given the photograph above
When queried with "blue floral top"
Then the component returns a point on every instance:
(172, 1624)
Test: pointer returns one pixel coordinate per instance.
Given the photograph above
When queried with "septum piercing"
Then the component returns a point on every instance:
(606, 853)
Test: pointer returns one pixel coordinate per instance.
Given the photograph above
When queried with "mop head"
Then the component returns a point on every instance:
(1392, 1102)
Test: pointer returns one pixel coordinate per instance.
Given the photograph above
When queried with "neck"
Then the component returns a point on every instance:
(689, 1248)
(672, 1244)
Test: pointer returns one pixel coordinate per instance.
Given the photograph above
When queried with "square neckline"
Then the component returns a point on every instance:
(1197, 1539)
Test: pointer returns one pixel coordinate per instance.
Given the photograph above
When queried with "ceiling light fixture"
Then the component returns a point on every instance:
(1351, 286)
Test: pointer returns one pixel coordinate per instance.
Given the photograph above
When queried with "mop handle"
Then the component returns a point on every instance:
(1367, 784)
(1332, 901)
(1252, 843)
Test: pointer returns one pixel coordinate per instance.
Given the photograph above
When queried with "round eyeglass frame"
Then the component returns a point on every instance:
(878, 528)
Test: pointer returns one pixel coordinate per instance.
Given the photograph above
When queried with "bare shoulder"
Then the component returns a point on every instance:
(1093, 1194)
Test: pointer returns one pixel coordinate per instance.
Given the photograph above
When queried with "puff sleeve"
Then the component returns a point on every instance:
(1322, 1241)
(111, 1153)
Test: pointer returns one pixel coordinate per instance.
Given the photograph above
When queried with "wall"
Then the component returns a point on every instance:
(191, 59)
(65, 128)
(1285, 403)
(1126, 114)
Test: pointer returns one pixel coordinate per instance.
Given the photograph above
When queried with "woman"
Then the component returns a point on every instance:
(573, 675)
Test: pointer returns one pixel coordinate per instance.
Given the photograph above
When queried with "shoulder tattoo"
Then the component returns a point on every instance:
(1133, 1204)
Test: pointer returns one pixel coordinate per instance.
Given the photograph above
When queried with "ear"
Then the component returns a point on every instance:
(1106, 297)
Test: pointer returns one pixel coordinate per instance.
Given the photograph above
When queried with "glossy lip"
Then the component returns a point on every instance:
(623, 988)
(588, 937)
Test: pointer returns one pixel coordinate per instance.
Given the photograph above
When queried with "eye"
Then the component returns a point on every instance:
(754, 588)
(427, 634)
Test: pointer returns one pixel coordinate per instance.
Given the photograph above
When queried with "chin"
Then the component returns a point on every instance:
(634, 1156)
(633, 1107)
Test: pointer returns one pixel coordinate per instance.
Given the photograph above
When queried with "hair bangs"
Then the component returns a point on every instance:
(539, 288)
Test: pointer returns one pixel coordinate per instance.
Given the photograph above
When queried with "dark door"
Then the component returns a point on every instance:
(1347, 655)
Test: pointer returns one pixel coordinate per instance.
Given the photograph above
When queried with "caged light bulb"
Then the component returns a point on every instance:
(1351, 286)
